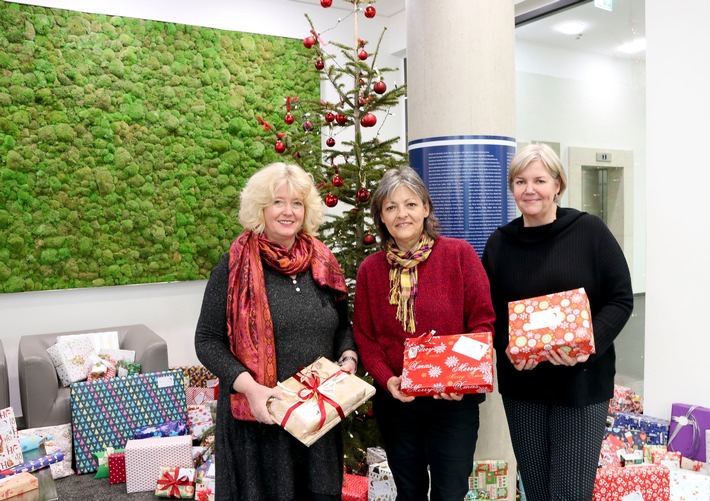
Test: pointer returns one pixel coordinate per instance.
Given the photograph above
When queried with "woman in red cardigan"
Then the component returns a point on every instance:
(420, 281)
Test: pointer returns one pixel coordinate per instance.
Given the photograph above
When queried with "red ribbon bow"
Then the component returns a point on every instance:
(312, 382)
(173, 483)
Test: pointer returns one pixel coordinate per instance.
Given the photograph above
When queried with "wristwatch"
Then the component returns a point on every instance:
(346, 358)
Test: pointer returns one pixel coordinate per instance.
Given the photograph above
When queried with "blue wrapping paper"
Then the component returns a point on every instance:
(168, 429)
(35, 464)
(653, 426)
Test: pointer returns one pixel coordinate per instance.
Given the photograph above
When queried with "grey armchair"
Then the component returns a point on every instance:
(45, 402)
(4, 380)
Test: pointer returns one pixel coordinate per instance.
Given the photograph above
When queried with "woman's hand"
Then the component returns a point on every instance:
(348, 362)
(257, 396)
(524, 365)
(394, 385)
(449, 396)
(560, 357)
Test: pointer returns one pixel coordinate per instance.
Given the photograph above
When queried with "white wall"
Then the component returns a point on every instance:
(678, 234)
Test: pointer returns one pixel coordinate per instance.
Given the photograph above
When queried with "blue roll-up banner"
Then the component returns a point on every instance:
(467, 177)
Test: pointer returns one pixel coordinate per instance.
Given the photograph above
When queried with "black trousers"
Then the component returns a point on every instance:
(557, 448)
(428, 436)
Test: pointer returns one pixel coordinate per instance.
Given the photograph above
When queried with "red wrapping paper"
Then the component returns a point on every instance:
(651, 480)
(354, 488)
(117, 468)
(458, 363)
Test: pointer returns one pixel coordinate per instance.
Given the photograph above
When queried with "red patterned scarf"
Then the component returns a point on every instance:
(249, 324)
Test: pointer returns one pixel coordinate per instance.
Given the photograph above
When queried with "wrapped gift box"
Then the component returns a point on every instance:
(34, 464)
(375, 455)
(354, 487)
(612, 447)
(651, 480)
(176, 483)
(489, 479)
(117, 468)
(635, 439)
(205, 483)
(201, 386)
(550, 322)
(459, 363)
(106, 412)
(666, 458)
(17, 484)
(688, 427)
(105, 340)
(56, 438)
(649, 450)
(199, 419)
(656, 428)
(689, 486)
(11, 451)
(380, 483)
(73, 358)
(625, 400)
(169, 429)
(144, 459)
(317, 398)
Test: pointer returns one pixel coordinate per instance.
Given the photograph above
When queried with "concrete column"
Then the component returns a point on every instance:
(460, 126)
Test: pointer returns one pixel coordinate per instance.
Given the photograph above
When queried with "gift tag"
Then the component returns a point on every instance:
(470, 348)
(546, 319)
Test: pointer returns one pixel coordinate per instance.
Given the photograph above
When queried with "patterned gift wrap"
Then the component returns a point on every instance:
(205, 483)
(687, 430)
(666, 458)
(72, 359)
(34, 465)
(17, 484)
(145, 457)
(11, 451)
(375, 455)
(199, 418)
(56, 438)
(612, 446)
(544, 323)
(459, 363)
(380, 483)
(197, 376)
(117, 468)
(106, 412)
(689, 486)
(651, 480)
(625, 400)
(354, 487)
(176, 483)
(635, 439)
(655, 428)
(489, 479)
(317, 398)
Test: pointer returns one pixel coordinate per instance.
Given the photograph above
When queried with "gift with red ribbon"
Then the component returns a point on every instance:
(316, 398)
(457, 363)
(176, 483)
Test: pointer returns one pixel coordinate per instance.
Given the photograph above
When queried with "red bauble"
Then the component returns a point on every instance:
(329, 117)
(363, 195)
(380, 87)
(307, 125)
(297, 154)
(331, 200)
(309, 42)
(341, 119)
(362, 55)
(369, 120)
(330, 142)
(370, 12)
(280, 147)
(289, 118)
(319, 64)
(326, 3)
(368, 239)
(363, 100)
(338, 181)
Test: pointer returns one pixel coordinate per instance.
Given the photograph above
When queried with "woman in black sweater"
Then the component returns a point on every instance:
(557, 408)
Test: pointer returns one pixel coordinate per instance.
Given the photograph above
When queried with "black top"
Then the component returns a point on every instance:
(576, 250)
(263, 462)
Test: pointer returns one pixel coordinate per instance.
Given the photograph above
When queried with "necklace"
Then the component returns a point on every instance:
(295, 282)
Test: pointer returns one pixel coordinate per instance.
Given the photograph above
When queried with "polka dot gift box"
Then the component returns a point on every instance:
(544, 323)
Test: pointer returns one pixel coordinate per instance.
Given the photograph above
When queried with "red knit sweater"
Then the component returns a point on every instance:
(453, 298)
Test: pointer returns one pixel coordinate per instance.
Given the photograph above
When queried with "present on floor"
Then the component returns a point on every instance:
(199, 418)
(375, 455)
(687, 433)
(317, 398)
(56, 438)
(117, 468)
(205, 481)
(176, 483)
(650, 480)
(633, 439)
(34, 464)
(688, 485)
(201, 386)
(145, 457)
(106, 412)
(380, 483)
(458, 363)
(17, 484)
(489, 479)
(666, 458)
(354, 487)
(11, 451)
(625, 400)
(656, 428)
(550, 322)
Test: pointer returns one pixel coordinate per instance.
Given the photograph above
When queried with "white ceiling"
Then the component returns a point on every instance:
(604, 33)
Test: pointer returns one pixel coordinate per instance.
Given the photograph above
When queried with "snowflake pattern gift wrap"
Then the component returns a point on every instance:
(459, 363)
(544, 323)
(317, 398)
(650, 480)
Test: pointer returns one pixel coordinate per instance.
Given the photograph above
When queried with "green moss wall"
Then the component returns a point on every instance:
(124, 143)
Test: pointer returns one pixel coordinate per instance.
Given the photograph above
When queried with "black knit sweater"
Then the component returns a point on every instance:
(576, 250)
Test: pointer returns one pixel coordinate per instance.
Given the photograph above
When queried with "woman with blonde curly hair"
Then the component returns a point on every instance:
(276, 302)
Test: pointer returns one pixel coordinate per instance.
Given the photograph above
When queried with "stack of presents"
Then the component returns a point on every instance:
(151, 432)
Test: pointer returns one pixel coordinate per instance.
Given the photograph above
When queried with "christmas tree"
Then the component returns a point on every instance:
(349, 163)
(339, 142)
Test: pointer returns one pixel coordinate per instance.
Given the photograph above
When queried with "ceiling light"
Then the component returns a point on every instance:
(571, 27)
(637, 45)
